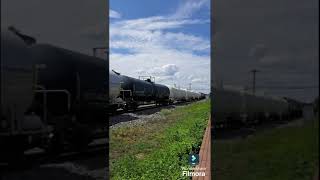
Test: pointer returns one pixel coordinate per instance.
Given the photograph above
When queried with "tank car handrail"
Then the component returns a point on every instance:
(139, 91)
(123, 90)
(39, 87)
(45, 91)
(58, 90)
(150, 77)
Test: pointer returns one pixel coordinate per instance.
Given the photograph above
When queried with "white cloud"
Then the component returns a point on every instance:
(136, 36)
(187, 67)
(198, 80)
(165, 70)
(148, 46)
(188, 8)
(170, 69)
(157, 23)
(114, 14)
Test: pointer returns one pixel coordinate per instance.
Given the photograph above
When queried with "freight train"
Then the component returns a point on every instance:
(129, 93)
(51, 97)
(237, 108)
(57, 99)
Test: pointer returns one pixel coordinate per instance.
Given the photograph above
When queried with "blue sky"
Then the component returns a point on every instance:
(168, 39)
(134, 10)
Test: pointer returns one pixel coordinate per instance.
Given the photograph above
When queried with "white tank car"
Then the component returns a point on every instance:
(198, 95)
(228, 105)
(190, 95)
(270, 106)
(254, 104)
(236, 106)
(258, 106)
(177, 94)
(193, 95)
(279, 106)
(114, 88)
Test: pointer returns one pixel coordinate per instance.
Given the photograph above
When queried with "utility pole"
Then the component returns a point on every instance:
(254, 71)
(190, 86)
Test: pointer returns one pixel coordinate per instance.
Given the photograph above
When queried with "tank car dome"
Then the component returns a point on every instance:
(114, 85)
(13, 48)
(16, 73)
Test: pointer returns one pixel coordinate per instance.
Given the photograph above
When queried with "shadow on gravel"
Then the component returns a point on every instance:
(121, 118)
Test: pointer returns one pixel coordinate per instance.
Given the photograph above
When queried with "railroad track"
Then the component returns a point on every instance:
(37, 157)
(246, 130)
(148, 106)
(128, 116)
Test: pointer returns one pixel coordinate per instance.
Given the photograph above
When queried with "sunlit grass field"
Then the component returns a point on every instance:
(287, 153)
(159, 148)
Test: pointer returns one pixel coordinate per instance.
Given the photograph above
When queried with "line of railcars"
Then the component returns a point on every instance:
(236, 108)
(129, 93)
(51, 97)
(55, 98)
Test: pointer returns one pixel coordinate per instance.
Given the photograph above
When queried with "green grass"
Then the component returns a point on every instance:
(159, 148)
(287, 153)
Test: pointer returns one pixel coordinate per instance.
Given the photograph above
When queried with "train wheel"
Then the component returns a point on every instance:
(113, 109)
(56, 140)
(134, 106)
(125, 108)
(55, 144)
